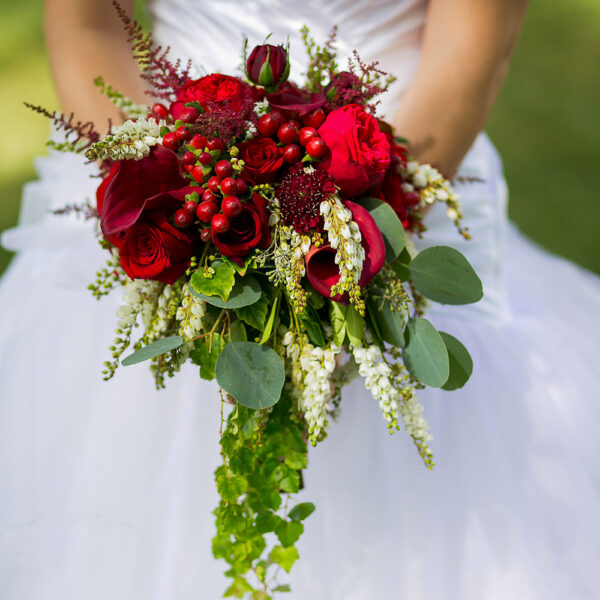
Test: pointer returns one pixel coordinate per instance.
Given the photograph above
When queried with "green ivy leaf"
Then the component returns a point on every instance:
(240, 269)
(206, 352)
(267, 521)
(461, 363)
(355, 325)
(443, 274)
(255, 314)
(288, 532)
(260, 595)
(270, 498)
(253, 374)
(238, 588)
(246, 291)
(295, 460)
(285, 587)
(425, 354)
(220, 284)
(389, 224)
(337, 316)
(301, 511)
(154, 349)
(229, 486)
(284, 557)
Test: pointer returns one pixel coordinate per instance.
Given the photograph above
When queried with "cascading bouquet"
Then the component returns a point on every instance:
(258, 229)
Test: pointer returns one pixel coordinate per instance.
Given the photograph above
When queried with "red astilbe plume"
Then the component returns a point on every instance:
(164, 77)
(300, 195)
(79, 135)
(221, 121)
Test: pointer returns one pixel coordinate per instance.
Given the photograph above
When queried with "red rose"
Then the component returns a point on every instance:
(155, 249)
(323, 272)
(294, 103)
(263, 160)
(359, 151)
(268, 65)
(210, 90)
(248, 231)
(136, 186)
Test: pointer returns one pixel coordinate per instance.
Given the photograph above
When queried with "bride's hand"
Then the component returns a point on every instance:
(86, 39)
(467, 48)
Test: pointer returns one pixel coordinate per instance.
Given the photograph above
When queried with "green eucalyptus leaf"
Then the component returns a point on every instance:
(314, 329)
(337, 315)
(252, 373)
(289, 532)
(220, 284)
(400, 265)
(270, 321)
(301, 511)
(389, 224)
(355, 326)
(425, 354)
(245, 292)
(443, 274)
(238, 332)
(284, 557)
(391, 325)
(206, 352)
(461, 363)
(255, 314)
(154, 349)
(371, 315)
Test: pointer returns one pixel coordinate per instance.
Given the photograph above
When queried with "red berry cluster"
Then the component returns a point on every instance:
(295, 135)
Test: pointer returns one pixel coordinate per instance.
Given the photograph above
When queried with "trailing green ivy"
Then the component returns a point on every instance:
(264, 452)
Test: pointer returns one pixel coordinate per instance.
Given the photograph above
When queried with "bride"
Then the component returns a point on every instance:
(106, 489)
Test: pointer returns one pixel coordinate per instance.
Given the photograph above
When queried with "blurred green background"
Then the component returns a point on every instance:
(546, 123)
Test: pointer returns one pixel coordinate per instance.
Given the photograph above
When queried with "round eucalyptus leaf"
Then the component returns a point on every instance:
(252, 373)
(154, 349)
(425, 354)
(389, 224)
(391, 325)
(461, 363)
(246, 291)
(443, 274)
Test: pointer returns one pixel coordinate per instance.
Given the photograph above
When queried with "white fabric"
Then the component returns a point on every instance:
(106, 489)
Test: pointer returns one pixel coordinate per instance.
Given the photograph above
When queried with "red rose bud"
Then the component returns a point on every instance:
(268, 66)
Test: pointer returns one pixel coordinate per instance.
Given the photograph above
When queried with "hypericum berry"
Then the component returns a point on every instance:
(206, 211)
(306, 133)
(228, 186)
(206, 235)
(189, 158)
(171, 141)
(314, 119)
(223, 169)
(278, 117)
(219, 223)
(213, 184)
(215, 144)
(198, 142)
(316, 147)
(231, 206)
(268, 125)
(205, 158)
(291, 154)
(183, 133)
(183, 218)
(198, 174)
(242, 187)
(287, 133)
(190, 206)
(295, 123)
(189, 114)
(160, 110)
(411, 198)
(188, 168)
(208, 196)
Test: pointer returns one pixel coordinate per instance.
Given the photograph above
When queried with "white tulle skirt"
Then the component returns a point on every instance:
(106, 489)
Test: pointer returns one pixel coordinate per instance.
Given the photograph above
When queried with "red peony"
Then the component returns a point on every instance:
(137, 186)
(212, 89)
(359, 151)
(323, 272)
(154, 249)
(293, 103)
(248, 231)
(263, 160)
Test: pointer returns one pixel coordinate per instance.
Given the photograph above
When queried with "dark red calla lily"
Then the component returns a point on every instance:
(321, 269)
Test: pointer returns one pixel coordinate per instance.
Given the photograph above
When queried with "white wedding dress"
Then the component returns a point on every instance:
(106, 489)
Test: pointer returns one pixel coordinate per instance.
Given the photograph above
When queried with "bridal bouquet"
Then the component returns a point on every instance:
(261, 230)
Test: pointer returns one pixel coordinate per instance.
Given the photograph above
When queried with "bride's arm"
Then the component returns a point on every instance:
(85, 39)
(467, 48)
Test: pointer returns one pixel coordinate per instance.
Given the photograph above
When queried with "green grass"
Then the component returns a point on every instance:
(546, 123)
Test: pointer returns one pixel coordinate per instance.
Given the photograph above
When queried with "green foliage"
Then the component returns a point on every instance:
(271, 321)
(252, 483)
(154, 349)
(443, 274)
(219, 283)
(205, 354)
(425, 354)
(390, 324)
(313, 326)
(244, 292)
(390, 226)
(461, 363)
(252, 373)
(255, 314)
